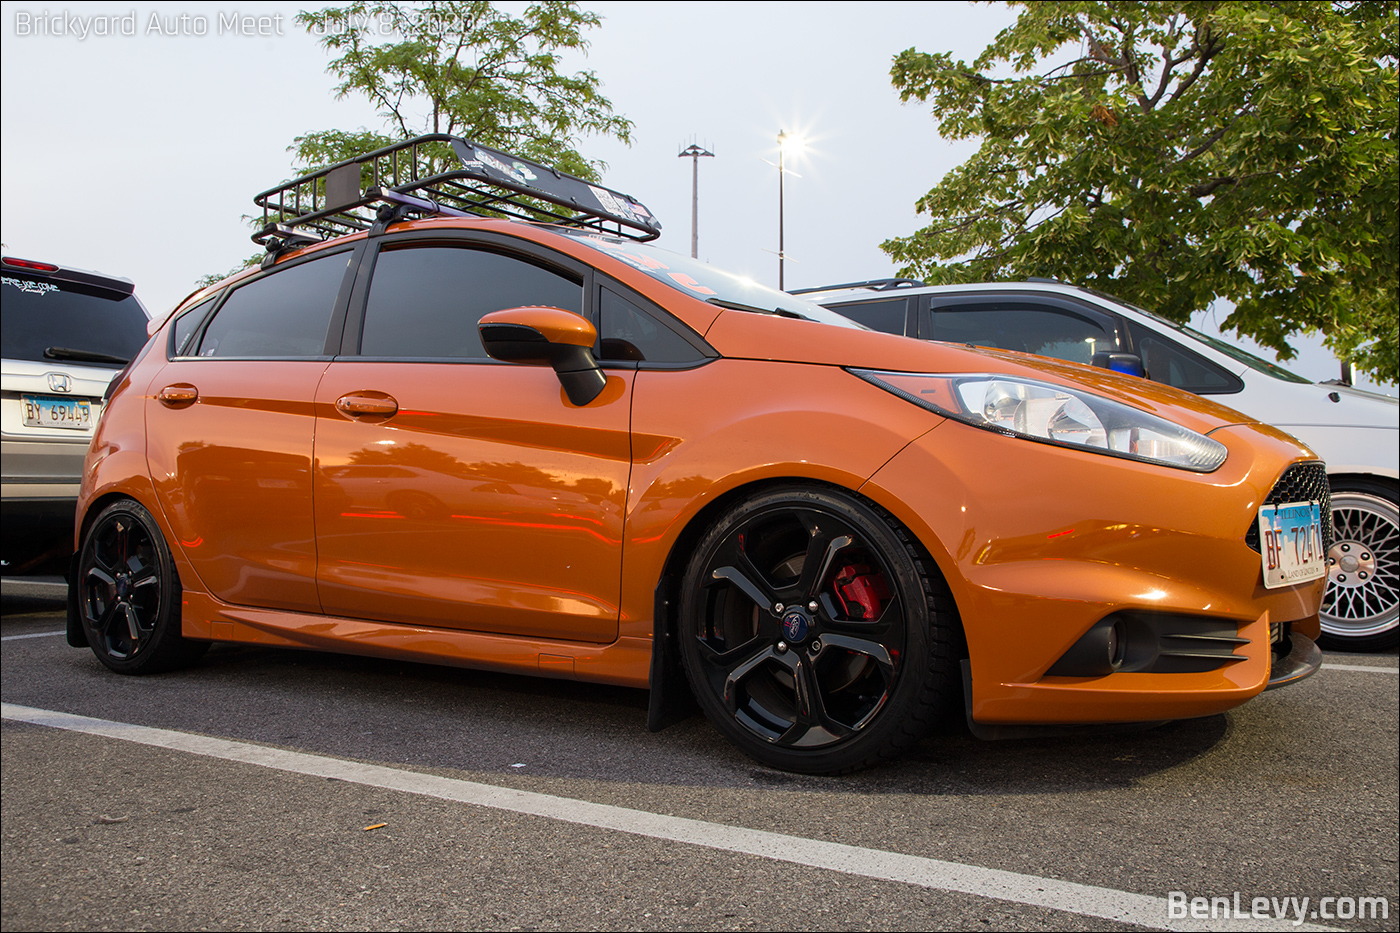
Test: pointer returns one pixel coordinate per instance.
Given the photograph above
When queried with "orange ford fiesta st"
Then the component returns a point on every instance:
(427, 431)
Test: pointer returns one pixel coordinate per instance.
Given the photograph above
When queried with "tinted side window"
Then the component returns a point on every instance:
(187, 325)
(629, 333)
(886, 316)
(40, 314)
(1167, 361)
(425, 301)
(285, 314)
(1023, 326)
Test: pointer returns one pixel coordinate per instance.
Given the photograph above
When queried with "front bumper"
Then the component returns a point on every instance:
(1039, 544)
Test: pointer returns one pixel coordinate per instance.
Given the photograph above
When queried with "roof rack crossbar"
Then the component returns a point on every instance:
(461, 178)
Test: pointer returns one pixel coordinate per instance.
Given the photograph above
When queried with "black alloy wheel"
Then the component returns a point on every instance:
(815, 632)
(129, 596)
(1361, 607)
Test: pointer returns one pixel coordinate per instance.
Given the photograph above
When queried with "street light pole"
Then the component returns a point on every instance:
(782, 137)
(695, 152)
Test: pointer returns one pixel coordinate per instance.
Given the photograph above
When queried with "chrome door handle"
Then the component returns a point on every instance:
(178, 395)
(355, 405)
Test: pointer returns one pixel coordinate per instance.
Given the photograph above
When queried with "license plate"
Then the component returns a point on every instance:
(43, 411)
(1290, 536)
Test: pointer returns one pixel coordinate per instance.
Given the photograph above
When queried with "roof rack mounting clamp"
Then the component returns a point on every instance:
(387, 213)
(279, 239)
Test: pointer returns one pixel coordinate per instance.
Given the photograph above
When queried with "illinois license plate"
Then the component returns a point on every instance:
(1290, 538)
(44, 411)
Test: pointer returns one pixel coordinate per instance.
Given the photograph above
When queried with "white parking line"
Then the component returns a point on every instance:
(33, 635)
(1361, 667)
(1082, 899)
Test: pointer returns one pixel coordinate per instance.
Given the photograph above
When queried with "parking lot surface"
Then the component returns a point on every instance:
(239, 794)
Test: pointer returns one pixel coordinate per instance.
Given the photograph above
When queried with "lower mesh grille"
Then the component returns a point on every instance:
(1302, 482)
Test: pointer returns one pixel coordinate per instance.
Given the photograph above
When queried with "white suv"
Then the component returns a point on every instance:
(66, 333)
(1356, 432)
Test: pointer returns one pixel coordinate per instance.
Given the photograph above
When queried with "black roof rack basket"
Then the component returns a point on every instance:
(445, 175)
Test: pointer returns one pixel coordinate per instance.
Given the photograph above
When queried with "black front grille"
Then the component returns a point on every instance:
(1302, 482)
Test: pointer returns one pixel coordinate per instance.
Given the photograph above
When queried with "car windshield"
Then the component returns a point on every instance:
(704, 281)
(1215, 343)
(48, 321)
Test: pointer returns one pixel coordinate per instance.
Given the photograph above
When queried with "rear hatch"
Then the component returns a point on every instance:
(65, 334)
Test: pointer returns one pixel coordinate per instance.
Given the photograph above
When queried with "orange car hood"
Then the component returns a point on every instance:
(749, 335)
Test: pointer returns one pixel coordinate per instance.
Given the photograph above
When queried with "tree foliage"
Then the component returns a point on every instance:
(465, 68)
(1174, 153)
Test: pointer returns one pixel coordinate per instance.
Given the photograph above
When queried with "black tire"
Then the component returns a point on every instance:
(129, 596)
(820, 690)
(1361, 608)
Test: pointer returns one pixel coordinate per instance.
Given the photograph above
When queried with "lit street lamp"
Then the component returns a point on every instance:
(695, 152)
(784, 141)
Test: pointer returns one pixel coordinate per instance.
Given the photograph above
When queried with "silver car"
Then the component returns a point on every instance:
(1355, 432)
(66, 333)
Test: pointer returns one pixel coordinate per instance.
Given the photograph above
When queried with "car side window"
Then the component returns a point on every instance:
(629, 333)
(425, 301)
(282, 315)
(886, 316)
(1025, 326)
(187, 326)
(1170, 363)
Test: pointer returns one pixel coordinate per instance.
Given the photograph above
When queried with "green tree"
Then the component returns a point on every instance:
(465, 68)
(1174, 153)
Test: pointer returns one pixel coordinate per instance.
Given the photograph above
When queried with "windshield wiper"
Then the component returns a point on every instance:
(736, 306)
(83, 356)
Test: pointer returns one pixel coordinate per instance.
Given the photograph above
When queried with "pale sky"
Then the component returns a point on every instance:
(138, 155)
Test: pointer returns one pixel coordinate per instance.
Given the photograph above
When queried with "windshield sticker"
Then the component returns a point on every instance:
(27, 285)
(685, 281)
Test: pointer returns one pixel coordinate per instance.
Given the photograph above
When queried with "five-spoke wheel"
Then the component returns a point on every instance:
(128, 593)
(814, 630)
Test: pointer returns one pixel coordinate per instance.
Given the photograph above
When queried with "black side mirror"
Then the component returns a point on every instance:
(1129, 363)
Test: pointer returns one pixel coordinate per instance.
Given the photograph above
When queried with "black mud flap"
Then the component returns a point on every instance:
(671, 700)
(76, 636)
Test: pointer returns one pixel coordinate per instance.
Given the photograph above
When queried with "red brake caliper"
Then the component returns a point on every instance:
(862, 592)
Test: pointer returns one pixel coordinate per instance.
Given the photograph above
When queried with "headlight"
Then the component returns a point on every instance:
(1052, 414)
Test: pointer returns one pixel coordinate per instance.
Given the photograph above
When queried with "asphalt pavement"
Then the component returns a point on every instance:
(276, 789)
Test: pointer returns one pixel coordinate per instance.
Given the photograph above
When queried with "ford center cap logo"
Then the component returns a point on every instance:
(795, 625)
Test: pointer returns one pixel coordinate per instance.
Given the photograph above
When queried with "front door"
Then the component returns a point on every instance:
(455, 491)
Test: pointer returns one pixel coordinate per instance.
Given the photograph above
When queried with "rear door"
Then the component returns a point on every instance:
(229, 429)
(453, 490)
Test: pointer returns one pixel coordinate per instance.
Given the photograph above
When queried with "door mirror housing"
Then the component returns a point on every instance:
(1129, 363)
(541, 336)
